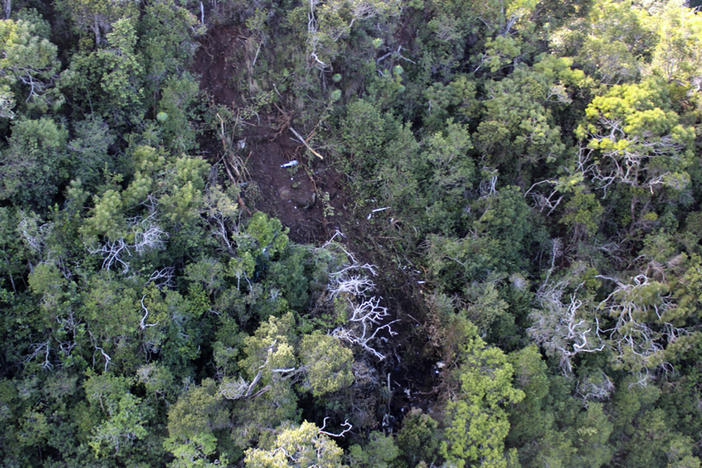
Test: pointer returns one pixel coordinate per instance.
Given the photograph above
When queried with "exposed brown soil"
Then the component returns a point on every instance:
(292, 194)
(295, 194)
(216, 62)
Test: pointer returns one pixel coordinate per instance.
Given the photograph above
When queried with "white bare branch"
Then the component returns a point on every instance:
(562, 327)
(147, 236)
(105, 356)
(149, 239)
(347, 427)
(70, 325)
(636, 335)
(99, 348)
(598, 387)
(40, 348)
(142, 324)
(163, 277)
(367, 321)
(233, 389)
(113, 251)
(284, 373)
(32, 233)
(488, 186)
(629, 165)
(547, 200)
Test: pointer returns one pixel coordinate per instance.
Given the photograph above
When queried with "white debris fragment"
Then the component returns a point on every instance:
(290, 163)
(370, 215)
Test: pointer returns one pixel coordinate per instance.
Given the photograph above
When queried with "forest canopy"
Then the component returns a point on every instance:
(372, 233)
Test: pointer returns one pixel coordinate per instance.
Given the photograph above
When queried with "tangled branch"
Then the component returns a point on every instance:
(561, 327)
(367, 321)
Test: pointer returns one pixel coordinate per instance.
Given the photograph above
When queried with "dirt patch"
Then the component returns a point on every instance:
(285, 186)
(294, 194)
(216, 61)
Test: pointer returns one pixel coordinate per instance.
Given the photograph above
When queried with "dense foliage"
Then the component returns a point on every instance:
(524, 186)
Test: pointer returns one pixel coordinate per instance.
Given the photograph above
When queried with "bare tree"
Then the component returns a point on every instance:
(595, 387)
(113, 253)
(147, 236)
(563, 328)
(105, 356)
(162, 277)
(149, 239)
(365, 324)
(548, 199)
(630, 165)
(239, 388)
(488, 186)
(142, 324)
(344, 19)
(32, 233)
(640, 330)
(367, 321)
(43, 348)
(70, 325)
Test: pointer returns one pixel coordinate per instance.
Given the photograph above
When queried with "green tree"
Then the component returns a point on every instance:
(327, 363)
(109, 80)
(96, 16)
(90, 150)
(476, 420)
(111, 312)
(452, 177)
(166, 38)
(634, 136)
(28, 67)
(35, 164)
(125, 415)
(418, 438)
(192, 421)
(304, 445)
(677, 53)
(380, 451)
(178, 97)
(518, 129)
(618, 41)
(529, 420)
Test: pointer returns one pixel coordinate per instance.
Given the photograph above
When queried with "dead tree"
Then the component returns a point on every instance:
(367, 321)
(595, 387)
(641, 330)
(33, 233)
(39, 349)
(148, 237)
(364, 325)
(162, 277)
(563, 328)
(239, 388)
(113, 253)
(142, 324)
(105, 356)
(631, 164)
(549, 199)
